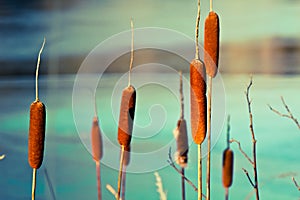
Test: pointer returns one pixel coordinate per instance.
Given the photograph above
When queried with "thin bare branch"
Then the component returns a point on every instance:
(249, 101)
(248, 176)
(289, 115)
(296, 184)
(172, 164)
(242, 151)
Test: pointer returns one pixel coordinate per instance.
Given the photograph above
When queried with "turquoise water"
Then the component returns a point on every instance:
(72, 170)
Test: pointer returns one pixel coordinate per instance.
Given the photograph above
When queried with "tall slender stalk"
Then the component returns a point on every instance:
(209, 98)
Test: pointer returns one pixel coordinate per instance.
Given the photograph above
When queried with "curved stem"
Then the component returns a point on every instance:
(37, 71)
(131, 55)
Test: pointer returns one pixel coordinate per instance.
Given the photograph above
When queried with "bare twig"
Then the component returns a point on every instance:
(296, 184)
(255, 185)
(172, 164)
(289, 115)
(242, 151)
(247, 174)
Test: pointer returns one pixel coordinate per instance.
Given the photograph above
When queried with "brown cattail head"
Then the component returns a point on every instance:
(198, 100)
(182, 143)
(96, 140)
(126, 156)
(211, 43)
(126, 117)
(227, 172)
(36, 138)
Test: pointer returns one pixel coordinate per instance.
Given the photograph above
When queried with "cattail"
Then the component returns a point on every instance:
(37, 124)
(227, 171)
(97, 146)
(126, 117)
(211, 43)
(36, 134)
(198, 100)
(182, 143)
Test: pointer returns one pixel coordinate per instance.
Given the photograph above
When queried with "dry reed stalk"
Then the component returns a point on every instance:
(37, 123)
(160, 190)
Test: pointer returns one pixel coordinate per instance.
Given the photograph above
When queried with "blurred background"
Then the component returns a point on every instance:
(257, 37)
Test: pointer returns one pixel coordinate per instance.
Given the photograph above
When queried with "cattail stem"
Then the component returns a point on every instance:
(210, 5)
(199, 173)
(228, 132)
(95, 105)
(33, 184)
(131, 54)
(37, 71)
(120, 171)
(226, 193)
(98, 180)
(182, 184)
(124, 182)
(197, 31)
(181, 97)
(209, 100)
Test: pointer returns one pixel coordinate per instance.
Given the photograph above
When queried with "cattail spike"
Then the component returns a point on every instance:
(211, 43)
(198, 101)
